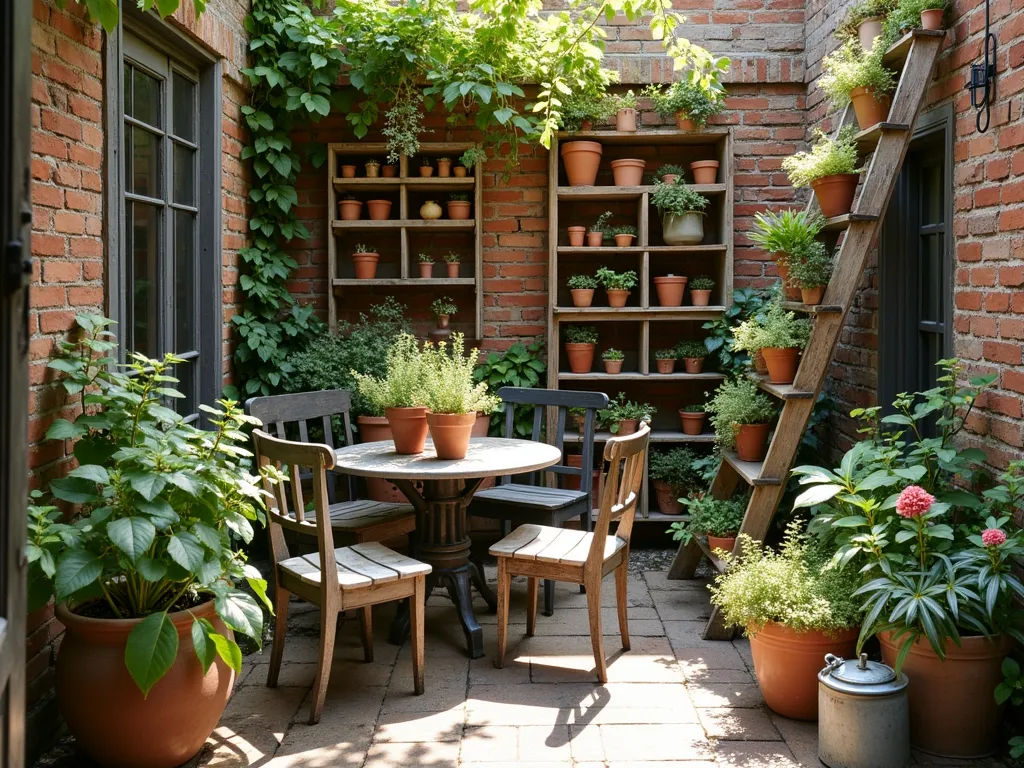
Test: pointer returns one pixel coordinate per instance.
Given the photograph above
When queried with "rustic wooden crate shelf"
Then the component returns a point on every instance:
(659, 136)
(438, 224)
(750, 471)
(608, 314)
(781, 391)
(868, 139)
(627, 193)
(897, 52)
(635, 376)
(339, 282)
(448, 183)
(838, 223)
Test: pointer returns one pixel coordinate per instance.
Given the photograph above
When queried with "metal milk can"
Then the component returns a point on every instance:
(863, 715)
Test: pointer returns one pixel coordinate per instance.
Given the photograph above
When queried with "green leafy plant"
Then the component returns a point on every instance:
(787, 231)
(676, 199)
(621, 409)
(425, 162)
(1011, 689)
(360, 248)
(666, 354)
(860, 12)
(601, 225)
(626, 229)
(616, 281)
(675, 467)
(401, 384)
(776, 328)
(850, 67)
(813, 269)
(709, 516)
(425, 258)
(582, 282)
(697, 101)
(581, 334)
(736, 402)
(691, 350)
(443, 306)
(702, 283)
(459, 197)
(612, 354)
(449, 385)
(746, 303)
(693, 408)
(625, 100)
(452, 257)
(473, 157)
(905, 16)
(594, 106)
(827, 157)
(520, 365)
(668, 169)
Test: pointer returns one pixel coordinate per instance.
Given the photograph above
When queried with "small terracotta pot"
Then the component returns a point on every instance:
(374, 429)
(786, 664)
(458, 210)
(835, 193)
(692, 423)
(666, 366)
(581, 357)
(721, 542)
(348, 171)
(628, 427)
(812, 296)
(450, 433)
(389, 171)
(409, 427)
(481, 426)
(444, 168)
(700, 298)
(365, 265)
(442, 321)
(782, 363)
(379, 210)
(624, 241)
(684, 123)
(628, 172)
(668, 501)
(791, 291)
(452, 268)
(617, 298)
(350, 210)
(372, 170)
(426, 171)
(430, 211)
(625, 121)
(932, 18)
(693, 364)
(868, 31)
(595, 239)
(586, 126)
(669, 178)
(670, 290)
(612, 366)
(426, 269)
(760, 366)
(704, 171)
(582, 297)
(752, 441)
(577, 235)
(582, 159)
(459, 171)
(869, 109)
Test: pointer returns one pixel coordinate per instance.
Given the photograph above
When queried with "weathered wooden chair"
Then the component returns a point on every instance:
(359, 576)
(561, 554)
(517, 503)
(353, 520)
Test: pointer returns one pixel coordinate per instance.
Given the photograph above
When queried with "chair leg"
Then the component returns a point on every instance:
(367, 622)
(281, 598)
(328, 628)
(596, 640)
(504, 587)
(531, 606)
(549, 597)
(417, 609)
(621, 576)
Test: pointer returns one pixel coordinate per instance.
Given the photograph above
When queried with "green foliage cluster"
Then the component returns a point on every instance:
(691, 350)
(520, 365)
(776, 328)
(625, 100)
(671, 353)
(827, 157)
(669, 169)
(601, 225)
(401, 383)
(594, 106)
(425, 258)
(676, 467)
(582, 282)
(613, 354)
(581, 334)
(738, 401)
(906, 15)
(616, 281)
(814, 269)
(695, 100)
(786, 232)
(746, 303)
(702, 283)
(449, 384)
(709, 516)
(860, 12)
(443, 305)
(677, 198)
(851, 67)
(625, 229)
(621, 409)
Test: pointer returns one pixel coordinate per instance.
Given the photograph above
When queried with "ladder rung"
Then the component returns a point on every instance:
(844, 221)
(782, 391)
(812, 309)
(717, 564)
(868, 139)
(898, 51)
(750, 471)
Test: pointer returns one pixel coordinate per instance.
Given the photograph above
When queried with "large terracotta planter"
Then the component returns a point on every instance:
(692, 423)
(721, 542)
(835, 193)
(582, 160)
(670, 290)
(350, 210)
(409, 429)
(666, 366)
(628, 172)
(458, 210)
(576, 236)
(581, 357)
(612, 367)
(704, 171)
(379, 210)
(786, 664)
(582, 297)
(752, 441)
(686, 229)
(365, 265)
(374, 429)
(106, 712)
(668, 501)
(700, 298)
(812, 296)
(693, 364)
(628, 427)
(932, 18)
(683, 123)
(782, 363)
(450, 433)
(625, 121)
(595, 239)
(952, 709)
(868, 31)
(869, 108)
(617, 297)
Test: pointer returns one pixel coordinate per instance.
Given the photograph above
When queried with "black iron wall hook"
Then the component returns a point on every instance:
(983, 76)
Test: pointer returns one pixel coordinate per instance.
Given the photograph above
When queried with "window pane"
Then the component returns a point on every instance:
(146, 99)
(184, 175)
(931, 194)
(185, 286)
(127, 95)
(146, 164)
(184, 107)
(129, 180)
(143, 301)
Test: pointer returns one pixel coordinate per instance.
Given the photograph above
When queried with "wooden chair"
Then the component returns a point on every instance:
(354, 520)
(561, 554)
(359, 576)
(517, 503)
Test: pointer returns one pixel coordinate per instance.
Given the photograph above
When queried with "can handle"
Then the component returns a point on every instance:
(833, 662)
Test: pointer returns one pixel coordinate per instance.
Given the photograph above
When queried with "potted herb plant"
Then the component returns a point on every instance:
(812, 273)
(704, 171)
(623, 417)
(348, 171)
(784, 236)
(666, 360)
(741, 415)
(443, 308)
(682, 213)
(691, 419)
(452, 260)
(372, 168)
(625, 112)
(623, 236)
(350, 209)
(718, 520)
(379, 210)
(795, 610)
(471, 158)
(669, 173)
(444, 167)
(426, 169)
(779, 336)
(147, 576)
(690, 103)
(850, 74)
(577, 236)
(863, 22)
(581, 159)
(458, 206)
(399, 393)
(932, 12)
(596, 233)
(612, 359)
(617, 285)
(580, 341)
(628, 172)
(692, 353)
(426, 262)
(582, 288)
(581, 110)
(673, 475)
(389, 170)
(700, 290)
(830, 169)
(365, 262)
(670, 289)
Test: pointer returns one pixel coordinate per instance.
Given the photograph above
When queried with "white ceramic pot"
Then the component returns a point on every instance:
(685, 229)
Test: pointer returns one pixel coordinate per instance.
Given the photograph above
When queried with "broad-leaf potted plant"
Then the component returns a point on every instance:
(582, 110)
(349, 208)
(364, 261)
(851, 74)
(612, 359)
(692, 353)
(741, 415)
(682, 213)
(580, 341)
(690, 102)
(625, 112)
(596, 233)
(830, 169)
(582, 160)
(623, 417)
(670, 289)
(700, 290)
(617, 285)
(582, 288)
(673, 475)
(458, 206)
(691, 419)
(718, 520)
(623, 236)
(665, 359)
(669, 173)
(778, 335)
(811, 273)
(399, 394)
(785, 236)
(426, 264)
(452, 260)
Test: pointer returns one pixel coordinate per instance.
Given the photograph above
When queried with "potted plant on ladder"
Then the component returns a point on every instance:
(742, 415)
(779, 336)
(829, 169)
(851, 74)
(812, 273)
(785, 236)
(718, 520)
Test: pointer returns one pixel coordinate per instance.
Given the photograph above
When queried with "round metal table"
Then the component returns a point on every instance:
(442, 531)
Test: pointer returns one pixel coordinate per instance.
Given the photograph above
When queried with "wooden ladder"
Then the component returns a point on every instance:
(887, 143)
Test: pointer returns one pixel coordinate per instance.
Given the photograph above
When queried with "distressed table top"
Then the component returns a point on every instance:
(487, 457)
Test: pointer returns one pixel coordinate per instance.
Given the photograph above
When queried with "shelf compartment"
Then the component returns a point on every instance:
(450, 183)
(634, 376)
(598, 314)
(405, 281)
(438, 224)
(606, 192)
(660, 136)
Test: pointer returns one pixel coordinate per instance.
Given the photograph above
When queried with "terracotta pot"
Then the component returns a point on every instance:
(582, 297)
(582, 160)
(105, 710)
(704, 171)
(458, 210)
(684, 123)
(452, 267)
(348, 171)
(409, 427)
(426, 171)
(350, 210)
(459, 171)
(365, 264)
(379, 210)
(576, 236)
(786, 664)
(426, 269)
(586, 125)
(374, 429)
(752, 441)
(430, 211)
(617, 298)
(791, 291)
(932, 18)
(700, 298)
(389, 171)
(721, 542)
(812, 296)
(481, 426)
(692, 423)
(628, 172)
(444, 168)
(442, 321)
(595, 239)
(670, 290)
(685, 229)
(450, 433)
(952, 710)
(835, 193)
(668, 501)
(581, 357)
(868, 31)
(669, 178)
(869, 109)
(624, 241)
(372, 170)
(693, 364)
(782, 363)
(572, 482)
(625, 121)
(666, 366)
(628, 427)
(759, 364)
(612, 366)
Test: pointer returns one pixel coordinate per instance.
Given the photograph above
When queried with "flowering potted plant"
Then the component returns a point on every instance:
(691, 102)
(779, 336)
(452, 260)
(851, 74)
(670, 173)
(612, 359)
(682, 213)
(623, 417)
(718, 520)
(673, 475)
(582, 288)
(812, 273)
(616, 284)
(741, 415)
(625, 112)
(580, 341)
(691, 418)
(829, 169)
(398, 394)
(426, 262)
(458, 206)
(595, 236)
(787, 236)
(700, 290)
(365, 262)
(666, 360)
(692, 353)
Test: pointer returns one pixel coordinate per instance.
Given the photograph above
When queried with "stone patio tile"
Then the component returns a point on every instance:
(658, 580)
(439, 671)
(665, 764)
(269, 708)
(716, 656)
(655, 742)
(344, 672)
(725, 695)
(567, 660)
(696, 673)
(682, 713)
(801, 737)
(742, 646)
(441, 754)
(682, 604)
(585, 742)
(490, 743)
(345, 706)
(753, 754)
(544, 744)
(401, 698)
(328, 743)
(483, 672)
(735, 724)
(688, 634)
(421, 726)
(240, 744)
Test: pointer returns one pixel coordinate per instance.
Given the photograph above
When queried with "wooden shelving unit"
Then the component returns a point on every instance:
(400, 238)
(642, 326)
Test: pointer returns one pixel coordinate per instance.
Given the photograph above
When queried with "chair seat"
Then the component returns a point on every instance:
(520, 495)
(358, 566)
(546, 544)
(352, 515)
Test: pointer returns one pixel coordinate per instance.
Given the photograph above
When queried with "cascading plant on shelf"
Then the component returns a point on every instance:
(581, 334)
(695, 101)
(828, 157)
(738, 402)
(582, 283)
(613, 354)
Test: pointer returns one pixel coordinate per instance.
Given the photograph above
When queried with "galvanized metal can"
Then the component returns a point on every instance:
(863, 715)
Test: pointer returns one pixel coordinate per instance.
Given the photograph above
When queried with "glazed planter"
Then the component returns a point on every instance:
(444, 168)
(374, 429)
(458, 210)
(786, 664)
(835, 193)
(624, 241)
(459, 171)
(752, 441)
(581, 357)
(365, 265)
(704, 171)
(595, 239)
(628, 427)
(389, 171)
(666, 366)
(582, 297)
(450, 433)
(692, 423)
(582, 160)
(426, 269)
(409, 428)
(952, 709)
(625, 121)
(628, 172)
(685, 229)
(812, 296)
(693, 364)
(868, 31)
(379, 210)
(372, 170)
(683, 123)
(668, 501)
(670, 290)
(452, 267)
(430, 211)
(721, 542)
(426, 171)
(869, 108)
(617, 298)
(612, 366)
(577, 235)
(700, 298)
(669, 178)
(782, 363)
(105, 710)
(932, 18)
(348, 171)
(350, 210)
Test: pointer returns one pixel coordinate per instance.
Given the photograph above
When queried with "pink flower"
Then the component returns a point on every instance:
(914, 501)
(992, 537)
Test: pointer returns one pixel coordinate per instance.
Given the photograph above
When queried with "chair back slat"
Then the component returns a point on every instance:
(626, 457)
